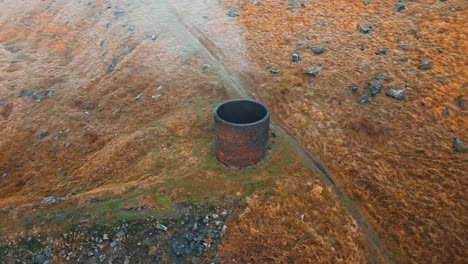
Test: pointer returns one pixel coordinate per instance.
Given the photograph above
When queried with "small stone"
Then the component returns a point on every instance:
(214, 216)
(425, 65)
(161, 227)
(445, 113)
(119, 234)
(189, 236)
(113, 244)
(156, 96)
(59, 135)
(364, 100)
(462, 102)
(381, 52)
(365, 30)
(361, 46)
(300, 44)
(296, 57)
(179, 247)
(154, 37)
(21, 92)
(119, 13)
(206, 219)
(234, 13)
(274, 71)
(402, 59)
(138, 97)
(400, 7)
(113, 64)
(375, 88)
(354, 90)
(403, 47)
(316, 50)
(67, 143)
(39, 94)
(43, 134)
(313, 73)
(302, 217)
(396, 94)
(224, 213)
(102, 258)
(380, 76)
(39, 259)
(205, 67)
(458, 145)
(129, 50)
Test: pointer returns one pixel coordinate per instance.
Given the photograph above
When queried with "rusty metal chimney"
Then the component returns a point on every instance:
(241, 132)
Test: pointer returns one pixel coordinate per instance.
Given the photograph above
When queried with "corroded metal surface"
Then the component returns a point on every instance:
(241, 132)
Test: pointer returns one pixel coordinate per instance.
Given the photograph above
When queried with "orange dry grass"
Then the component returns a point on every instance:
(271, 230)
(394, 158)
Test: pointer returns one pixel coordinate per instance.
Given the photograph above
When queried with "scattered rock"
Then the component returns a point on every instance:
(234, 13)
(119, 13)
(43, 134)
(113, 64)
(425, 65)
(59, 135)
(354, 90)
(138, 97)
(403, 47)
(120, 234)
(462, 102)
(296, 57)
(39, 259)
(21, 92)
(402, 59)
(105, 237)
(67, 143)
(129, 50)
(316, 50)
(313, 73)
(274, 71)
(375, 88)
(113, 244)
(381, 52)
(381, 76)
(445, 113)
(361, 46)
(156, 96)
(400, 7)
(365, 30)
(458, 145)
(205, 67)
(49, 200)
(161, 227)
(154, 37)
(38, 94)
(364, 100)
(300, 44)
(102, 258)
(396, 94)
(180, 247)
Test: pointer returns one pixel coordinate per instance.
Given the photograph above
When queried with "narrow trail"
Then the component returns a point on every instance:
(208, 48)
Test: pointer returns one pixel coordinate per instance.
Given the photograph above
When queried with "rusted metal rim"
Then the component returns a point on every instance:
(252, 114)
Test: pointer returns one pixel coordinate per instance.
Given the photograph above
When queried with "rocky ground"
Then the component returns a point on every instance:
(106, 146)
